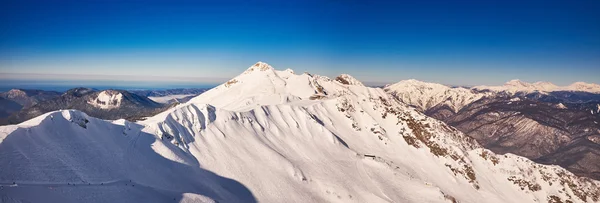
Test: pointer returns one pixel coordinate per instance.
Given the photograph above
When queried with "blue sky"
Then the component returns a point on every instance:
(459, 42)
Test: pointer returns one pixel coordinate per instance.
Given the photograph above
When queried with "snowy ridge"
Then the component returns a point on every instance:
(263, 85)
(348, 80)
(424, 96)
(515, 86)
(273, 136)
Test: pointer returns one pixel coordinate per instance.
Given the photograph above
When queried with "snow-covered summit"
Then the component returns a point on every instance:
(16, 93)
(261, 84)
(259, 66)
(584, 87)
(424, 95)
(348, 80)
(517, 83)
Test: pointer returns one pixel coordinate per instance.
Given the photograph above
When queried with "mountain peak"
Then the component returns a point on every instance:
(290, 71)
(417, 83)
(348, 80)
(16, 92)
(517, 83)
(583, 86)
(259, 66)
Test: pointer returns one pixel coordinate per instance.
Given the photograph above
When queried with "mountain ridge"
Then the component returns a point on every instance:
(319, 139)
(515, 86)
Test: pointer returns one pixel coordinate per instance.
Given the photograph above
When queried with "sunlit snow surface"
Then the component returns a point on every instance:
(425, 95)
(514, 86)
(270, 136)
(107, 99)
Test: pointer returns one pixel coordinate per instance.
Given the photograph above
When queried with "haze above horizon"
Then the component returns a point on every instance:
(457, 43)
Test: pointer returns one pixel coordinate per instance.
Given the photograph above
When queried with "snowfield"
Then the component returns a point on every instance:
(270, 136)
(166, 99)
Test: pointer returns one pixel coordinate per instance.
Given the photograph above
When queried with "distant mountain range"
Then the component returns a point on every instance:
(28, 98)
(541, 121)
(515, 86)
(18, 105)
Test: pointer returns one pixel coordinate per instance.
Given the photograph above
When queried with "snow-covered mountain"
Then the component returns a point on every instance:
(584, 87)
(271, 136)
(515, 86)
(424, 95)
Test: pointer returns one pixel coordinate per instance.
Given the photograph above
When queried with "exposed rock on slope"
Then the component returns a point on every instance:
(348, 80)
(533, 129)
(553, 127)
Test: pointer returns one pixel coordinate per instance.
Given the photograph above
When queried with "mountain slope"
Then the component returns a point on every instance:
(71, 157)
(554, 127)
(8, 107)
(534, 129)
(283, 138)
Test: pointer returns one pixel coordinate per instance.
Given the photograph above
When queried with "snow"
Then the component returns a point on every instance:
(166, 99)
(345, 78)
(515, 86)
(425, 95)
(267, 138)
(107, 99)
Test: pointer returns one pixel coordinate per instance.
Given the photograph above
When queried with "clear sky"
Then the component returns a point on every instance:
(458, 42)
